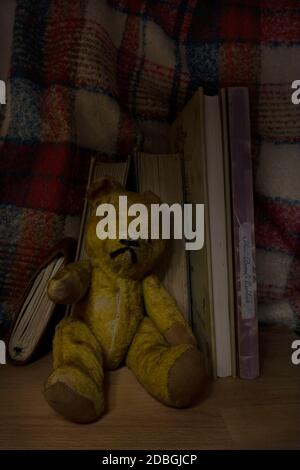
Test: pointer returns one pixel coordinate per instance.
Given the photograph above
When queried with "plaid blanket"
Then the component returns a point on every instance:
(100, 77)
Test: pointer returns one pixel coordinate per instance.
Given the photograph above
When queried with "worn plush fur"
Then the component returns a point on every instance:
(122, 312)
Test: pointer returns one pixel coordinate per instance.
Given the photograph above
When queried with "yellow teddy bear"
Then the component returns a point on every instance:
(122, 312)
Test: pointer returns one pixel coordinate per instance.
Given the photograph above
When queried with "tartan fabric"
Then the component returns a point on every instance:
(100, 77)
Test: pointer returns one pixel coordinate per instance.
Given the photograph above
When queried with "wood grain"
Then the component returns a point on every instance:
(263, 413)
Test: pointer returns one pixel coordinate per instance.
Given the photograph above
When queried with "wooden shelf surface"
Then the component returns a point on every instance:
(259, 414)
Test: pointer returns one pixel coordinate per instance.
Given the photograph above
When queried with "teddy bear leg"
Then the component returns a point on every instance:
(75, 387)
(172, 374)
(165, 314)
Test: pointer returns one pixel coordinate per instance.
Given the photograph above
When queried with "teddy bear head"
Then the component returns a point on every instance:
(120, 256)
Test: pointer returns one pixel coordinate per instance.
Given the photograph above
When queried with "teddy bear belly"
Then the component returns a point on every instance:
(114, 334)
(114, 318)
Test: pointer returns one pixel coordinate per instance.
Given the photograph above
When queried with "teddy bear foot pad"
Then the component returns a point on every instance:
(63, 397)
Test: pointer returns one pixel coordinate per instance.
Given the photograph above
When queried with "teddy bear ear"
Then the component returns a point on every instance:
(100, 188)
(151, 197)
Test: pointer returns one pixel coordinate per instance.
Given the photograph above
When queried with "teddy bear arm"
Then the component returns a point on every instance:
(70, 283)
(161, 307)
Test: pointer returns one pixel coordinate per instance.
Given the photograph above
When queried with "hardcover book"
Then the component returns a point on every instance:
(243, 232)
(197, 132)
(163, 175)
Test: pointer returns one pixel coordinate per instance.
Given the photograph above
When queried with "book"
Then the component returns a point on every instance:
(229, 237)
(98, 169)
(218, 214)
(36, 315)
(162, 174)
(197, 132)
(243, 232)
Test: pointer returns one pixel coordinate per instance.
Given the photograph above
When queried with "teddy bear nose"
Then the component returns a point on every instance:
(129, 242)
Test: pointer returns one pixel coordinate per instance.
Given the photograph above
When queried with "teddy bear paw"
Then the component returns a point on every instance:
(74, 395)
(63, 288)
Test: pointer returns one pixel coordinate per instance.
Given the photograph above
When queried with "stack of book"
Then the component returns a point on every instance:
(213, 135)
(210, 164)
(215, 287)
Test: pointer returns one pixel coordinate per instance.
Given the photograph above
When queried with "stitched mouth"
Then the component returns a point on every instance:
(129, 243)
(120, 251)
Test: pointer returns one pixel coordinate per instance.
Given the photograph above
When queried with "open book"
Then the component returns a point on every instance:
(36, 312)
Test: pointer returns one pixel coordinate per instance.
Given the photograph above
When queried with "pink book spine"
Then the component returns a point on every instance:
(243, 232)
